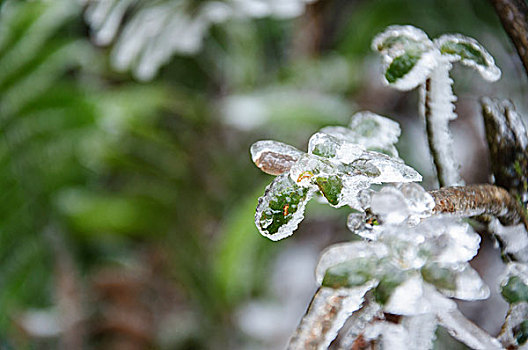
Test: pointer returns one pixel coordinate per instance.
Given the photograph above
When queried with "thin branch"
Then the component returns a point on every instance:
(466, 331)
(513, 15)
(484, 199)
(438, 109)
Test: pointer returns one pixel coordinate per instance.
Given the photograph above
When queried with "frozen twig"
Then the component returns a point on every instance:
(466, 331)
(438, 111)
(326, 315)
(474, 200)
(513, 15)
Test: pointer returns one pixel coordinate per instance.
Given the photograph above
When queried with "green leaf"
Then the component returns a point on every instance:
(281, 207)
(515, 290)
(349, 274)
(387, 286)
(400, 66)
(330, 187)
(441, 277)
(470, 53)
(464, 50)
(520, 332)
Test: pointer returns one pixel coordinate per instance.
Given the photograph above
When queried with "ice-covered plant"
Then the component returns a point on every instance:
(412, 60)
(340, 163)
(393, 288)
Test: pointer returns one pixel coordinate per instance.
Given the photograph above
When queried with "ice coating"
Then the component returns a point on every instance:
(281, 209)
(514, 328)
(439, 111)
(341, 183)
(370, 130)
(516, 269)
(514, 239)
(469, 52)
(273, 157)
(396, 39)
(408, 54)
(375, 132)
(390, 205)
(407, 201)
(343, 252)
(417, 75)
(328, 146)
(328, 311)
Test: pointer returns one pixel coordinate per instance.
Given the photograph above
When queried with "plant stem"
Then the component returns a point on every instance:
(466, 331)
(484, 199)
(326, 315)
(513, 15)
(438, 110)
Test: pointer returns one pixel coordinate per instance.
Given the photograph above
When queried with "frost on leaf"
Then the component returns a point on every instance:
(409, 56)
(376, 133)
(370, 130)
(470, 53)
(273, 157)
(281, 209)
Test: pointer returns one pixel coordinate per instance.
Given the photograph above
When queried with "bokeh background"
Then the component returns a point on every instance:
(127, 190)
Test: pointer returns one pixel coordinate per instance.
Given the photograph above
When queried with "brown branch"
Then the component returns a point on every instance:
(484, 199)
(513, 15)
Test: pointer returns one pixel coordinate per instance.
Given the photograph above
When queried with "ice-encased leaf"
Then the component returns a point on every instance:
(281, 209)
(514, 285)
(348, 252)
(370, 130)
(448, 240)
(396, 39)
(413, 297)
(274, 157)
(470, 53)
(456, 281)
(341, 183)
(375, 132)
(350, 273)
(328, 146)
(409, 56)
(514, 239)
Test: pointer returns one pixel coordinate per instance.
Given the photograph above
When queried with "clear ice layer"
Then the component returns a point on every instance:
(273, 157)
